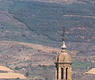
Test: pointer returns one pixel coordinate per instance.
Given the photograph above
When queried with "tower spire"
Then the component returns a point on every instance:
(63, 40)
(63, 63)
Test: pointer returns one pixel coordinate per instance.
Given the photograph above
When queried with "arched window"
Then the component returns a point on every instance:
(62, 73)
(66, 73)
(57, 73)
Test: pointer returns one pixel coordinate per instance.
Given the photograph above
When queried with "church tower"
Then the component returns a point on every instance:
(63, 64)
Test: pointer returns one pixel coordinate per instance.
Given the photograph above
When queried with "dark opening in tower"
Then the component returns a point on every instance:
(66, 73)
(62, 73)
(57, 73)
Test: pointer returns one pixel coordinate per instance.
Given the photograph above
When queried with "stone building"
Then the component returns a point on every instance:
(63, 64)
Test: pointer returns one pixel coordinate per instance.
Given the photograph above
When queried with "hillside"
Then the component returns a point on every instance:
(6, 73)
(47, 20)
(42, 22)
(30, 35)
(92, 71)
(64, 1)
(35, 60)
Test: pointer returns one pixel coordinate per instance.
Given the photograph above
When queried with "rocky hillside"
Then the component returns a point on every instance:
(46, 20)
(30, 35)
(42, 22)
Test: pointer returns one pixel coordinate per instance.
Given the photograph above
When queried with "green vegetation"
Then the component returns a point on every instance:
(27, 74)
(82, 65)
(46, 20)
(17, 68)
(17, 79)
(5, 5)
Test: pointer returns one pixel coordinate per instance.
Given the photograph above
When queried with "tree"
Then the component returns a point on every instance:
(27, 74)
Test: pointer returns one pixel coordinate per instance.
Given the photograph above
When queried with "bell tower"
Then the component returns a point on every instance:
(63, 64)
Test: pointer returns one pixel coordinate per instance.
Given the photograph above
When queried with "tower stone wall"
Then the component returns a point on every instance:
(63, 65)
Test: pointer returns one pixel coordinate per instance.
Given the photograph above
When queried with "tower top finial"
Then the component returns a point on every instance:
(63, 45)
(63, 39)
(63, 34)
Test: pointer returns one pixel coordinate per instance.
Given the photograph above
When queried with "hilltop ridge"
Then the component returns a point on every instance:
(64, 1)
